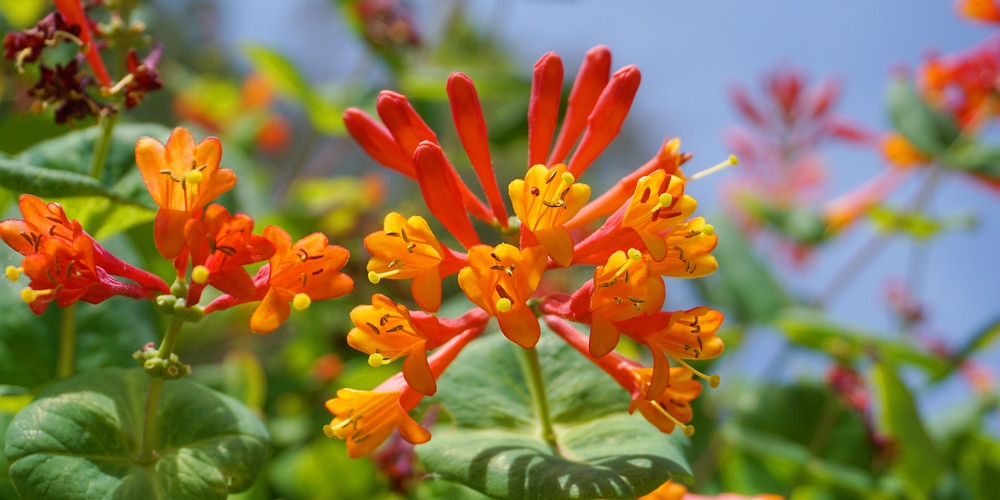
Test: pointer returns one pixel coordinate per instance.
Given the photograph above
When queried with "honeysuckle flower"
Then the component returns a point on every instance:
(900, 153)
(842, 211)
(182, 177)
(220, 245)
(366, 418)
(142, 77)
(687, 334)
(621, 289)
(64, 272)
(646, 234)
(544, 201)
(44, 221)
(296, 273)
(689, 246)
(500, 280)
(387, 331)
(406, 248)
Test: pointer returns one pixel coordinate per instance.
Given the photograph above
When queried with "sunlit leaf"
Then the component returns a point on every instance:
(918, 461)
(493, 445)
(290, 83)
(80, 439)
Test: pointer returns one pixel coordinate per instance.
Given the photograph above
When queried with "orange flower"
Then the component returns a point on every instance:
(298, 273)
(982, 10)
(220, 245)
(48, 221)
(500, 280)
(544, 200)
(658, 204)
(676, 491)
(182, 177)
(407, 248)
(670, 408)
(65, 272)
(623, 288)
(366, 418)
(688, 335)
(900, 153)
(688, 251)
(385, 331)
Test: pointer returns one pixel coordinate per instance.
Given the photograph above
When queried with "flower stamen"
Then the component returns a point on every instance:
(13, 273)
(713, 381)
(29, 295)
(732, 161)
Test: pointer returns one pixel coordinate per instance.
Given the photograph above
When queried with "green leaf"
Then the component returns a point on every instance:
(107, 335)
(493, 444)
(80, 438)
(290, 83)
(26, 178)
(815, 331)
(927, 129)
(918, 461)
(743, 286)
(975, 159)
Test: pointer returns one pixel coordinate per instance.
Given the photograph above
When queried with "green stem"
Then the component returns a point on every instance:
(533, 372)
(146, 453)
(102, 147)
(67, 342)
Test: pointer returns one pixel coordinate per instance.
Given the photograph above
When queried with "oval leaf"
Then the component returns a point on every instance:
(928, 129)
(494, 445)
(80, 438)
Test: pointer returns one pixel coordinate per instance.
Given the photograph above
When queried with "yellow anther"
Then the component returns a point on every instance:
(29, 295)
(708, 230)
(713, 381)
(376, 360)
(568, 178)
(504, 304)
(666, 199)
(301, 301)
(13, 273)
(730, 162)
(194, 177)
(375, 278)
(199, 275)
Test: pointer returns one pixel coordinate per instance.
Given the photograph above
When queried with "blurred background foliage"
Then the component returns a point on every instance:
(865, 418)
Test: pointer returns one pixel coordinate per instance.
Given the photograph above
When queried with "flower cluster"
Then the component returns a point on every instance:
(65, 86)
(207, 245)
(644, 232)
(784, 173)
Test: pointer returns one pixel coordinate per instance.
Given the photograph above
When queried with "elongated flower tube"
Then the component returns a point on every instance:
(500, 280)
(182, 177)
(43, 221)
(366, 418)
(406, 248)
(65, 272)
(387, 331)
(72, 12)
